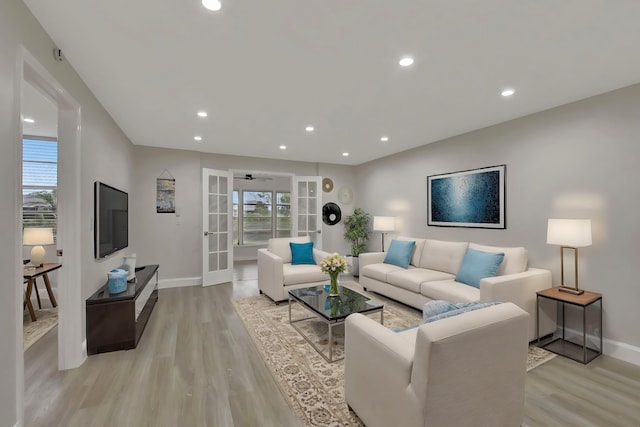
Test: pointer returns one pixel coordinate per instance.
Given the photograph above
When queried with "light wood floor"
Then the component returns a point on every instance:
(197, 366)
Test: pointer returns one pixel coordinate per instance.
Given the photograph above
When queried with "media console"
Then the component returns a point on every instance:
(116, 322)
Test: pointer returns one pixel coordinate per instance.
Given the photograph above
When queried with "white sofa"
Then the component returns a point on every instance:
(467, 370)
(276, 274)
(433, 268)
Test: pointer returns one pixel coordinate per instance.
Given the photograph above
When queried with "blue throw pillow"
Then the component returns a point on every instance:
(301, 253)
(462, 308)
(477, 265)
(399, 253)
(435, 307)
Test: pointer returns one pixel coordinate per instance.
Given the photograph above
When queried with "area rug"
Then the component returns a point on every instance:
(313, 387)
(47, 319)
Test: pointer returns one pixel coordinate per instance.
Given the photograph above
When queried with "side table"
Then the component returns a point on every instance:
(30, 275)
(562, 345)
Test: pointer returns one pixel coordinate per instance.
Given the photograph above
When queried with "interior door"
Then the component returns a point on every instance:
(217, 225)
(307, 208)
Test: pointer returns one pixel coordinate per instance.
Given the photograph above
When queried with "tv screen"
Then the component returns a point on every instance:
(111, 228)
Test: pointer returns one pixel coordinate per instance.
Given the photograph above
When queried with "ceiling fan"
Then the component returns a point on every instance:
(250, 177)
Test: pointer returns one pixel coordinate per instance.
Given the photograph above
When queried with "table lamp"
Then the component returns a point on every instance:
(569, 234)
(384, 224)
(37, 237)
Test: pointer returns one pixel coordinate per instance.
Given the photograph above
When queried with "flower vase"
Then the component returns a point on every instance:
(333, 289)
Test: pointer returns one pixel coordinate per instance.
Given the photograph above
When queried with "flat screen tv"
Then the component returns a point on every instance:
(111, 226)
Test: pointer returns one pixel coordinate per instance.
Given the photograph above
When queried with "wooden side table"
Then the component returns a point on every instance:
(580, 352)
(30, 275)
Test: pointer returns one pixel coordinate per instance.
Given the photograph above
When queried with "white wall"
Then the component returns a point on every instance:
(106, 155)
(574, 161)
(176, 243)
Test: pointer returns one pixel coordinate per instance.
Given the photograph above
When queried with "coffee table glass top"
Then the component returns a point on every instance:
(335, 308)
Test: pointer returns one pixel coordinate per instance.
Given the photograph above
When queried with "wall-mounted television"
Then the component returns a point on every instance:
(111, 225)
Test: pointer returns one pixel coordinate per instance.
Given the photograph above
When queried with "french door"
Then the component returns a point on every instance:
(217, 226)
(307, 208)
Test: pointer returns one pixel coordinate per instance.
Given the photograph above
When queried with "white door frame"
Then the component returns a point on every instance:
(71, 338)
(316, 235)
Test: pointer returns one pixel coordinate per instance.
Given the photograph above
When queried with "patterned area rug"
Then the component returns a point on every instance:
(313, 387)
(47, 319)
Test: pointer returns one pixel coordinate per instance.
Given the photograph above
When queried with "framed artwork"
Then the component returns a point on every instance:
(473, 198)
(165, 195)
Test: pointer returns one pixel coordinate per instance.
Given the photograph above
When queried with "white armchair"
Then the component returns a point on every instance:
(467, 370)
(276, 274)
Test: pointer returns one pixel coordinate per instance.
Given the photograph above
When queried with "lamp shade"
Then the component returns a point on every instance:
(384, 223)
(575, 233)
(37, 236)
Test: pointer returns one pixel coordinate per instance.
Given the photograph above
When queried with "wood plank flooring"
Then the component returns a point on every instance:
(197, 366)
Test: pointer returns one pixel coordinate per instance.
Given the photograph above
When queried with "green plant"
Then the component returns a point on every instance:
(357, 230)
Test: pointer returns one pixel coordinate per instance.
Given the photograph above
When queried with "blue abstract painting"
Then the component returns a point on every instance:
(472, 198)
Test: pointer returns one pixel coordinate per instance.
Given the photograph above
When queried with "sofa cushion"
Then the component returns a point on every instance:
(450, 290)
(304, 273)
(400, 253)
(477, 265)
(301, 253)
(417, 251)
(379, 271)
(515, 258)
(280, 246)
(443, 256)
(412, 278)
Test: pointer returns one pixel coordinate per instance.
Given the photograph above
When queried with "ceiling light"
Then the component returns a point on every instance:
(213, 5)
(202, 114)
(384, 139)
(283, 147)
(309, 128)
(406, 61)
(345, 154)
(28, 120)
(197, 138)
(508, 92)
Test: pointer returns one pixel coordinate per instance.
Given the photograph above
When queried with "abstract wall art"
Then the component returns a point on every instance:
(472, 198)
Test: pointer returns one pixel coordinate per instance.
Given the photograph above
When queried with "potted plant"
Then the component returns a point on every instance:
(357, 231)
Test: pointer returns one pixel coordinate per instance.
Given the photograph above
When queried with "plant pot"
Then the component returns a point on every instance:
(355, 266)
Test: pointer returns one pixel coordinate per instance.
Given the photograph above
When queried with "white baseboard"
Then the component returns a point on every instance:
(179, 282)
(622, 351)
(245, 258)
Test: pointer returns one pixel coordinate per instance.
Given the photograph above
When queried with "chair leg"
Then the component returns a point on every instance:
(260, 290)
(35, 286)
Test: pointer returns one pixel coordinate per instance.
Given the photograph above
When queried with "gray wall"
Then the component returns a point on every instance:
(176, 242)
(574, 161)
(106, 155)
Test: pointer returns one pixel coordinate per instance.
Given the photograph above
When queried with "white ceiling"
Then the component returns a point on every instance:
(263, 70)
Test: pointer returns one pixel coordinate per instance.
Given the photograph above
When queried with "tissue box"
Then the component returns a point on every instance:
(117, 281)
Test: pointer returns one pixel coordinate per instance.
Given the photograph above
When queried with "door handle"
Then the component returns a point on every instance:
(318, 231)
(206, 233)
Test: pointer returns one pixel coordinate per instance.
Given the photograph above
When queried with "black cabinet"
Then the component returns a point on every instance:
(116, 321)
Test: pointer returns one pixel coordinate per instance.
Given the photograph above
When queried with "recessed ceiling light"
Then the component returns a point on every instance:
(202, 114)
(283, 147)
(28, 120)
(406, 61)
(309, 128)
(384, 139)
(345, 154)
(197, 138)
(508, 92)
(214, 5)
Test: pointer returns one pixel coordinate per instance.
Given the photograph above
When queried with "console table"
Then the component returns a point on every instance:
(116, 321)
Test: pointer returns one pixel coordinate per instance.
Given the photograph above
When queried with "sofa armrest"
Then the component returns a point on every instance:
(377, 364)
(520, 289)
(371, 258)
(270, 275)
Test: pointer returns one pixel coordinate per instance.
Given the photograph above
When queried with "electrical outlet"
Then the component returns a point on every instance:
(58, 252)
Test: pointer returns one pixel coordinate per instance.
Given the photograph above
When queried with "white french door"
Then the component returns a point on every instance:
(217, 226)
(307, 208)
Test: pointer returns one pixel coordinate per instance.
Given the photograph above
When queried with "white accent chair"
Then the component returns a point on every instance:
(276, 274)
(467, 370)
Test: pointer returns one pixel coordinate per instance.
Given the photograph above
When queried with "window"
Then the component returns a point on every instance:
(256, 218)
(39, 182)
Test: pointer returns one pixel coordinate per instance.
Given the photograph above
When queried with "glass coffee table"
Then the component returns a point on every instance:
(331, 310)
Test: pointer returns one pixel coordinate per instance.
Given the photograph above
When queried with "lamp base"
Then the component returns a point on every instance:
(38, 256)
(574, 291)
